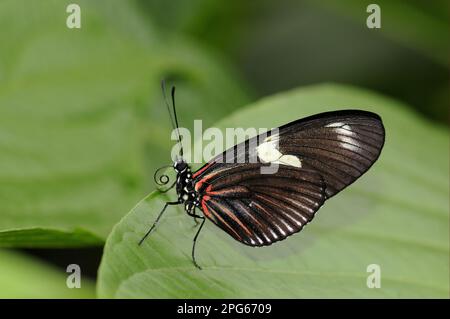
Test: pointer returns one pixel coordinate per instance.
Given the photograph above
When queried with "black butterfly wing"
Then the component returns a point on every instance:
(339, 145)
(258, 209)
(323, 154)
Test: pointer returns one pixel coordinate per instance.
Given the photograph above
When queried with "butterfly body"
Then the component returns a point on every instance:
(187, 195)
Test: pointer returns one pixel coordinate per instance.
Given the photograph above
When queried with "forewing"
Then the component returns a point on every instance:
(340, 146)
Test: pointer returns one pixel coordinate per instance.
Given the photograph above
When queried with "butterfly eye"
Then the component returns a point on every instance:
(180, 166)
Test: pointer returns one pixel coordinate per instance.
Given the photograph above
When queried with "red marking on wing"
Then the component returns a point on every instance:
(200, 183)
(215, 217)
(229, 192)
(204, 208)
(237, 220)
(197, 173)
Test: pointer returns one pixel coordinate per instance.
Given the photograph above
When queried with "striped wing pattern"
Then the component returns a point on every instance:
(257, 209)
(335, 149)
(340, 147)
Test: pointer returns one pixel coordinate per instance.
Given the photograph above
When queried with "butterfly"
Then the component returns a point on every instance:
(316, 157)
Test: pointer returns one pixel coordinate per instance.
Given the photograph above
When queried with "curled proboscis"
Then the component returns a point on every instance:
(161, 179)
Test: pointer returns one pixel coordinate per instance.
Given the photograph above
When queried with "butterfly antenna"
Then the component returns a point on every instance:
(172, 113)
(176, 120)
(163, 88)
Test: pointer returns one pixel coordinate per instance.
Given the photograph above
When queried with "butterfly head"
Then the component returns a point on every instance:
(180, 165)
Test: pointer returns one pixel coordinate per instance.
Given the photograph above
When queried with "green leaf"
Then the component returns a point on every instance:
(395, 216)
(26, 277)
(82, 120)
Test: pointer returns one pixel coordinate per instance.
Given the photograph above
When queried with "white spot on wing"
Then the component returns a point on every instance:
(290, 160)
(339, 124)
(269, 153)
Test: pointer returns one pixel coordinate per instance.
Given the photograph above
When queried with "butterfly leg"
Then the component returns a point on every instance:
(195, 241)
(196, 218)
(156, 220)
(196, 221)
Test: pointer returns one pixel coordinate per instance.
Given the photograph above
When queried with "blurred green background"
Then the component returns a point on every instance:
(82, 121)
